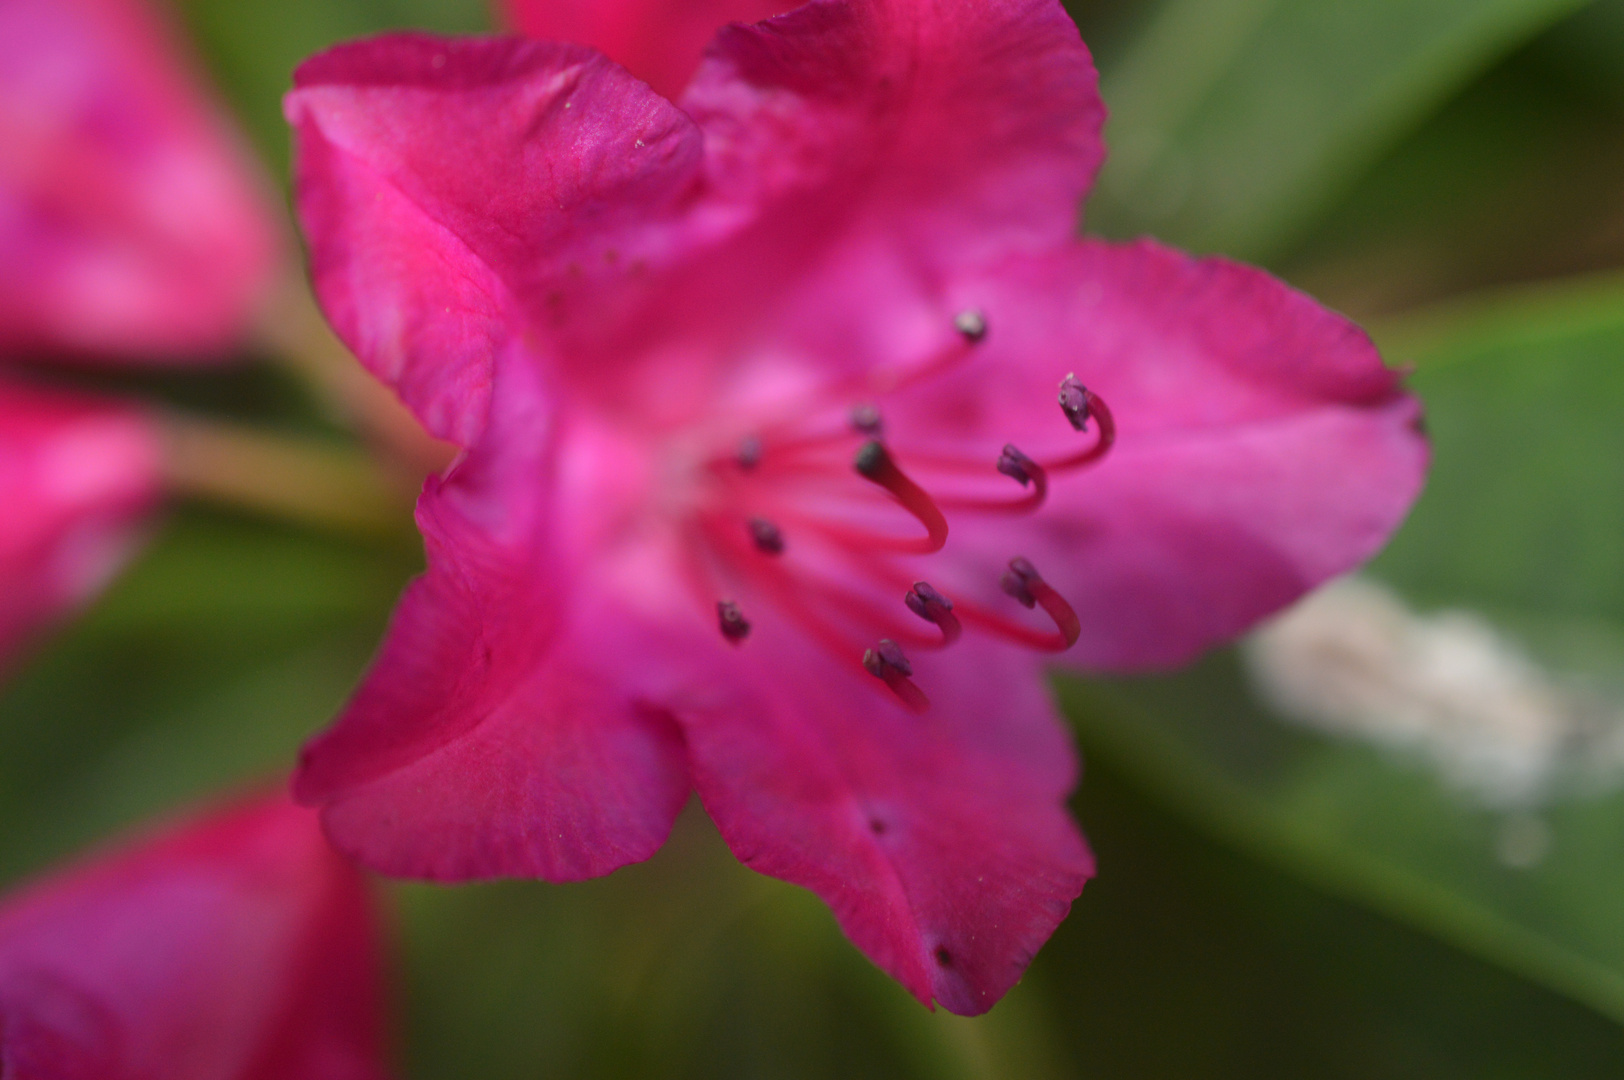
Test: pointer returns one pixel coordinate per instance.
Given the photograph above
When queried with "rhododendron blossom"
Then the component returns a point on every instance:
(78, 478)
(131, 223)
(236, 946)
(799, 434)
(133, 229)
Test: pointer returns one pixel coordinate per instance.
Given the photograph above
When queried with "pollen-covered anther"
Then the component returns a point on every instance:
(768, 538)
(1074, 400)
(923, 600)
(1080, 405)
(1023, 582)
(971, 325)
(866, 420)
(886, 662)
(734, 626)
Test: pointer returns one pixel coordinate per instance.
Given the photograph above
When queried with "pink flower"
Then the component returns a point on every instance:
(664, 337)
(131, 223)
(236, 946)
(78, 478)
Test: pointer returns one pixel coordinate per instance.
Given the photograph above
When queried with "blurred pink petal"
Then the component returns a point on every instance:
(768, 349)
(132, 223)
(659, 41)
(234, 946)
(78, 478)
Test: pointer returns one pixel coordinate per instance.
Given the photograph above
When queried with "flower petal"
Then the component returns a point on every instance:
(1262, 446)
(659, 41)
(494, 735)
(941, 842)
(131, 223)
(237, 946)
(78, 478)
(450, 188)
(955, 129)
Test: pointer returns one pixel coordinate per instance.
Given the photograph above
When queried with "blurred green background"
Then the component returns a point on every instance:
(1272, 901)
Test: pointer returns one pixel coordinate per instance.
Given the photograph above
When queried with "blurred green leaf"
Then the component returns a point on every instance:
(207, 664)
(1522, 519)
(1182, 959)
(1233, 122)
(252, 48)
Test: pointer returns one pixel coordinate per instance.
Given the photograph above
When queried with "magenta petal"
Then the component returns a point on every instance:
(659, 41)
(132, 225)
(941, 842)
(495, 736)
(957, 129)
(1262, 447)
(237, 946)
(433, 238)
(78, 479)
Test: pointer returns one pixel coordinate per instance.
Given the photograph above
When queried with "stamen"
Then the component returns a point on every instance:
(873, 462)
(1017, 466)
(1080, 404)
(886, 662)
(866, 420)
(734, 626)
(749, 454)
(923, 600)
(768, 538)
(1023, 582)
(972, 324)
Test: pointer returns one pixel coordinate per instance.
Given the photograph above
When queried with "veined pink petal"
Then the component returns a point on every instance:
(78, 478)
(941, 842)
(659, 41)
(956, 129)
(1263, 447)
(235, 946)
(498, 734)
(429, 263)
(132, 225)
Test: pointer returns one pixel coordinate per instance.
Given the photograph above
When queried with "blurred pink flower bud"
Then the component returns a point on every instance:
(234, 946)
(132, 223)
(77, 479)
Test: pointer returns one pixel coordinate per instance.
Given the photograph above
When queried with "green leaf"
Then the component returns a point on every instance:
(206, 665)
(252, 46)
(1234, 122)
(1521, 520)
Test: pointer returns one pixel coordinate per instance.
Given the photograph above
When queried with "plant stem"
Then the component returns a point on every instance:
(296, 333)
(311, 481)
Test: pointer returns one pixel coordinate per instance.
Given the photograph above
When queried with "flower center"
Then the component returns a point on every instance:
(805, 518)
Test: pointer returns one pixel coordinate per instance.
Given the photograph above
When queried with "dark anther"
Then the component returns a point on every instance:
(1074, 402)
(923, 600)
(1019, 579)
(943, 957)
(871, 459)
(866, 420)
(735, 627)
(768, 538)
(971, 325)
(876, 826)
(886, 659)
(749, 455)
(1017, 466)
